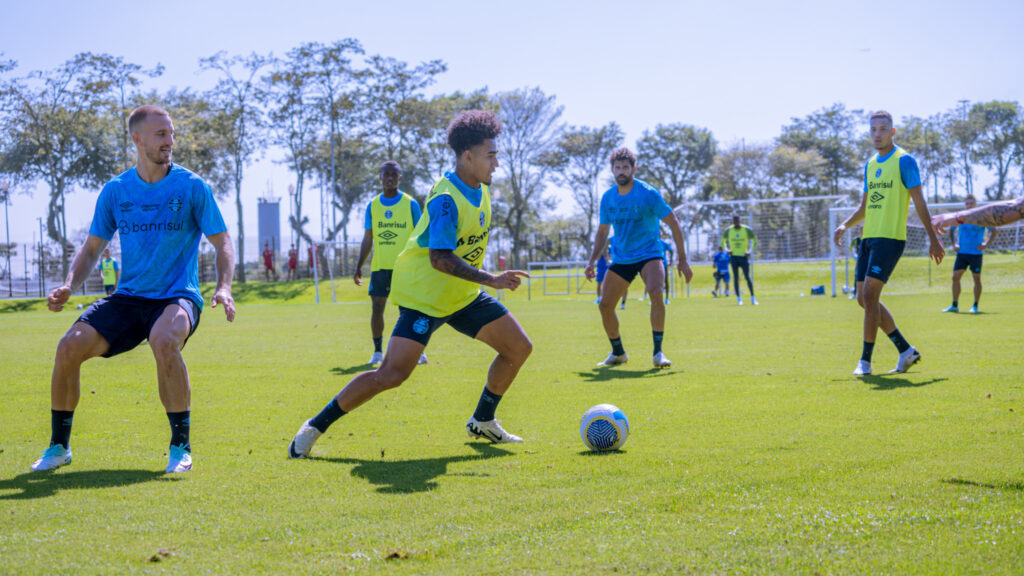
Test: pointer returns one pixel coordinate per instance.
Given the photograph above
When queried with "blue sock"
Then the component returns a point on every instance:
(901, 343)
(869, 347)
(377, 343)
(617, 348)
(180, 424)
(658, 336)
(327, 416)
(485, 408)
(60, 427)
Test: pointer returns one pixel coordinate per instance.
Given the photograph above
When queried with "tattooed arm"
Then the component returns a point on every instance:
(992, 215)
(446, 261)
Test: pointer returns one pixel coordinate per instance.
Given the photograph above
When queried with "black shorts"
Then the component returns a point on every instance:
(628, 272)
(109, 289)
(380, 283)
(416, 325)
(965, 261)
(739, 263)
(878, 258)
(125, 321)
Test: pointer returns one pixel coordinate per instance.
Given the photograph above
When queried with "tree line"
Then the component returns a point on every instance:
(334, 113)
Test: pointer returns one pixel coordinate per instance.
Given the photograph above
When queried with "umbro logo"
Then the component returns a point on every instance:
(877, 197)
(127, 205)
(474, 255)
(387, 235)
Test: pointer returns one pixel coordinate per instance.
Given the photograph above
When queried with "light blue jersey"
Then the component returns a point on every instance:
(160, 227)
(634, 218)
(721, 260)
(970, 237)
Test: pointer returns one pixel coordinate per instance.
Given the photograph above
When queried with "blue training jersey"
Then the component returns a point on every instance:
(970, 237)
(634, 217)
(160, 226)
(721, 260)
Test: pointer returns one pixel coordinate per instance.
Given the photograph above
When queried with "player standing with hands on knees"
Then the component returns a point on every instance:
(160, 210)
(891, 180)
(437, 281)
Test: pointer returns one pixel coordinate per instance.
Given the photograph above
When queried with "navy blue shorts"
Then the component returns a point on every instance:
(125, 321)
(722, 275)
(416, 325)
(628, 272)
(380, 283)
(878, 258)
(965, 261)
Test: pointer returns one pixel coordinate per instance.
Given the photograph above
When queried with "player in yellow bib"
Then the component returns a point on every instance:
(739, 241)
(891, 180)
(437, 281)
(390, 219)
(110, 272)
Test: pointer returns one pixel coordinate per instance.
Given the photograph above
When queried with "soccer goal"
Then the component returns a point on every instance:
(333, 260)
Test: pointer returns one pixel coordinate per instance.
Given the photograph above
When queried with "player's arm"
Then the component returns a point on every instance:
(364, 252)
(990, 216)
(752, 238)
(600, 243)
(935, 249)
(683, 266)
(991, 238)
(225, 272)
(852, 220)
(954, 235)
(446, 261)
(85, 260)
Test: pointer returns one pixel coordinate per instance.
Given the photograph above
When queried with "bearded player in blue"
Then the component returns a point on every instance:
(160, 210)
(634, 209)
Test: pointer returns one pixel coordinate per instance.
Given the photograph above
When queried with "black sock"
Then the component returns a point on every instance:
(869, 347)
(955, 304)
(901, 343)
(975, 303)
(180, 424)
(657, 340)
(327, 416)
(617, 348)
(376, 343)
(485, 407)
(60, 427)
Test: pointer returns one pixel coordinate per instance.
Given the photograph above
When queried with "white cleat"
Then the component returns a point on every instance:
(303, 441)
(613, 360)
(660, 361)
(423, 358)
(754, 301)
(377, 358)
(490, 430)
(863, 368)
(53, 457)
(739, 301)
(179, 460)
(907, 359)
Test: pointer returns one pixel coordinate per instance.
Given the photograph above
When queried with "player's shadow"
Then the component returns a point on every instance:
(892, 382)
(409, 476)
(343, 371)
(603, 374)
(44, 484)
(1018, 486)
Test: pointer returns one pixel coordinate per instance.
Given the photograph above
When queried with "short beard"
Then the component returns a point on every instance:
(159, 159)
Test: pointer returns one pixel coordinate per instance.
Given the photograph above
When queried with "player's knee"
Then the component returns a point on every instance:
(521, 349)
(388, 377)
(71, 350)
(165, 345)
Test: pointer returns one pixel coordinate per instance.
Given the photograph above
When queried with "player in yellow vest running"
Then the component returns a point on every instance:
(390, 219)
(110, 272)
(739, 241)
(437, 281)
(891, 179)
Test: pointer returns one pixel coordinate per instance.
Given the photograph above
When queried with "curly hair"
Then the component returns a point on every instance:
(472, 127)
(622, 154)
(881, 114)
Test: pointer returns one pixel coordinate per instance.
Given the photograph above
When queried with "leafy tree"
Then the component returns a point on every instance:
(833, 133)
(675, 157)
(997, 123)
(926, 140)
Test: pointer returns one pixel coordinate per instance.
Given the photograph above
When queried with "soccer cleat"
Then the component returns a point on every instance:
(739, 301)
(303, 441)
(613, 360)
(907, 359)
(179, 460)
(53, 457)
(490, 430)
(753, 301)
(377, 358)
(623, 305)
(423, 358)
(863, 368)
(660, 361)
(598, 301)
(667, 301)
(973, 310)
(952, 309)
(714, 294)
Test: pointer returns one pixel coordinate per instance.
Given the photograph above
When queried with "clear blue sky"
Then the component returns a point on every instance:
(741, 69)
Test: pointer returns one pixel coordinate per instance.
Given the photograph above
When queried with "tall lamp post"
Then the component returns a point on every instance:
(291, 212)
(5, 186)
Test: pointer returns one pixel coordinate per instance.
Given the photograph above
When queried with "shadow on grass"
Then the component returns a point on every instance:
(619, 373)
(410, 476)
(892, 382)
(21, 305)
(45, 484)
(1018, 486)
(257, 291)
(596, 454)
(340, 371)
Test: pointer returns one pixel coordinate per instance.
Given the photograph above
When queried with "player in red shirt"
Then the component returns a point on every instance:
(293, 262)
(268, 262)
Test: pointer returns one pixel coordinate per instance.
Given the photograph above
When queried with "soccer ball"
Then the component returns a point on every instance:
(604, 427)
(80, 306)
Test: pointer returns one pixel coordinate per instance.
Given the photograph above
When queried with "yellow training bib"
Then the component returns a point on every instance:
(885, 214)
(392, 226)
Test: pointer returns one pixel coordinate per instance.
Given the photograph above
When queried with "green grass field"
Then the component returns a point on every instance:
(757, 452)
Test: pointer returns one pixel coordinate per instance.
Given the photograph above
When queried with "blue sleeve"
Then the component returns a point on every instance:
(605, 218)
(444, 223)
(116, 267)
(368, 220)
(206, 211)
(103, 223)
(416, 212)
(660, 208)
(909, 173)
(866, 177)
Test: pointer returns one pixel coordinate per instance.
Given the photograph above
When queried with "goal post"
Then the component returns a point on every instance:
(331, 260)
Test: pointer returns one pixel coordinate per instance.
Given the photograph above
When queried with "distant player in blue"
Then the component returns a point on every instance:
(160, 211)
(970, 244)
(602, 269)
(720, 264)
(634, 210)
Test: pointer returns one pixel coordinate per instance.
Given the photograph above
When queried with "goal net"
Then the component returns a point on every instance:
(331, 261)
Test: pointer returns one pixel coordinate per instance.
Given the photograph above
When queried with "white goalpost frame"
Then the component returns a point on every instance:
(335, 246)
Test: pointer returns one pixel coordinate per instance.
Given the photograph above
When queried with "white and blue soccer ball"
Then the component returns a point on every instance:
(604, 427)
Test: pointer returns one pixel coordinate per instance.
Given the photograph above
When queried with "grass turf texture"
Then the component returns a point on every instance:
(757, 452)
